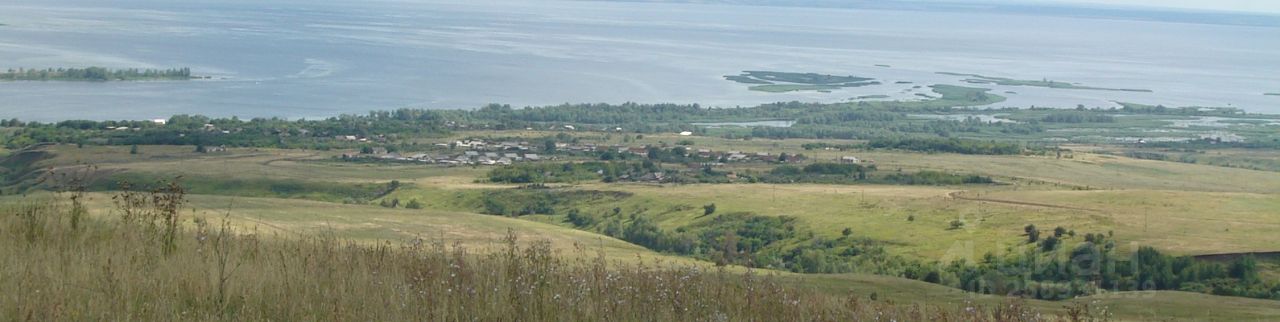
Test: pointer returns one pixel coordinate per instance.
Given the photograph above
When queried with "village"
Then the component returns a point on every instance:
(482, 152)
(490, 153)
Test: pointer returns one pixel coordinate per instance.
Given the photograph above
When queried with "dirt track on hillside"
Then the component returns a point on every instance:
(959, 196)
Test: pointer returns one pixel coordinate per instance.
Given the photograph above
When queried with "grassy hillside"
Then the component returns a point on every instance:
(1123, 306)
(1126, 195)
(1179, 208)
(60, 266)
(372, 225)
(270, 264)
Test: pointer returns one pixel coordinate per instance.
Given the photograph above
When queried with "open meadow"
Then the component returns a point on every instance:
(1179, 208)
(1152, 203)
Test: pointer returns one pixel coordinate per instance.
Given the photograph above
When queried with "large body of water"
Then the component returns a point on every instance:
(292, 59)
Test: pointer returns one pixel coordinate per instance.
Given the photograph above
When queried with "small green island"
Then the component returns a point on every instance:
(96, 74)
(980, 79)
(867, 97)
(1271, 94)
(782, 82)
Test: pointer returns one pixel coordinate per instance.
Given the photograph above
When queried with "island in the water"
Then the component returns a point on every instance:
(980, 79)
(781, 82)
(96, 74)
(1272, 94)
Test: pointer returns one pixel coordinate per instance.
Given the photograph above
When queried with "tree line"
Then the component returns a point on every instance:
(100, 74)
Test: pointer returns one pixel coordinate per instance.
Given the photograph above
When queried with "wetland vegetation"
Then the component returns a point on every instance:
(979, 79)
(781, 82)
(95, 74)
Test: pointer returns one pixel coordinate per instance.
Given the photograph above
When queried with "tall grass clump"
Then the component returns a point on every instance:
(145, 261)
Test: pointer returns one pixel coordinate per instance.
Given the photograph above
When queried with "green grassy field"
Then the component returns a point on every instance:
(300, 258)
(1125, 306)
(1125, 195)
(373, 225)
(1082, 170)
(1254, 159)
(1180, 208)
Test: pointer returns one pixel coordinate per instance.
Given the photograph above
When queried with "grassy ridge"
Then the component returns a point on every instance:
(60, 268)
(357, 193)
(878, 212)
(875, 211)
(106, 268)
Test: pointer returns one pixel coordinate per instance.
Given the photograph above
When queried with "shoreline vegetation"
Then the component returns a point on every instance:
(96, 74)
(980, 79)
(863, 120)
(782, 82)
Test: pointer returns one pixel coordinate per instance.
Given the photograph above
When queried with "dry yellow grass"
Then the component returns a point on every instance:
(1175, 207)
(372, 225)
(108, 271)
(1178, 221)
(55, 267)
